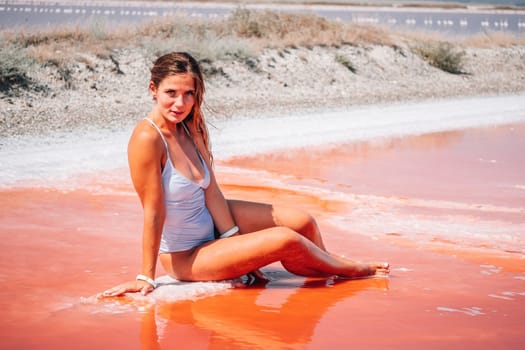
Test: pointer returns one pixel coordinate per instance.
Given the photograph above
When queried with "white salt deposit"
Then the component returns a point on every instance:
(48, 160)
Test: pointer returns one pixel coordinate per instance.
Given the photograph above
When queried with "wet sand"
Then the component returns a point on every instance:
(446, 209)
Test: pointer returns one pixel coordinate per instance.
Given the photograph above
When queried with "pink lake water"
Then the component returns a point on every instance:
(445, 207)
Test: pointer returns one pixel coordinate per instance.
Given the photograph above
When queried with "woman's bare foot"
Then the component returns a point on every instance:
(362, 270)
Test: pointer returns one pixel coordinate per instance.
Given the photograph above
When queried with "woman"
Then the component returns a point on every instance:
(171, 169)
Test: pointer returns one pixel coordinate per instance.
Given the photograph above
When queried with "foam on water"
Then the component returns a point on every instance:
(471, 311)
(168, 290)
(48, 161)
(171, 290)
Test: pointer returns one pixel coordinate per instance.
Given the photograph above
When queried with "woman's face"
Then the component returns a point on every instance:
(175, 96)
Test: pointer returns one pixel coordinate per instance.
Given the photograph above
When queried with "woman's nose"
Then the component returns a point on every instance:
(179, 100)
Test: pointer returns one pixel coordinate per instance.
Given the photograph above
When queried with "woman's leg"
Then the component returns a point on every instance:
(252, 217)
(236, 256)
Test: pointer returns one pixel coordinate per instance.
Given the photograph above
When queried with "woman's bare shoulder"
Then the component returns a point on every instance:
(146, 154)
(145, 140)
(144, 134)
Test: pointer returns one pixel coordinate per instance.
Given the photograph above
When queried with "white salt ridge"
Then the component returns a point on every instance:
(49, 160)
(248, 136)
(46, 161)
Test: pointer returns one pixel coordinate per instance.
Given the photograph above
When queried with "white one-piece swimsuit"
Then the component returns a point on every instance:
(188, 222)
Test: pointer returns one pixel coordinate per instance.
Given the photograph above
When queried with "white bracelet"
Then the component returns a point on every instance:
(230, 232)
(144, 278)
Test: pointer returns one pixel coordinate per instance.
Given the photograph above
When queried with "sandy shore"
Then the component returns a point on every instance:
(278, 81)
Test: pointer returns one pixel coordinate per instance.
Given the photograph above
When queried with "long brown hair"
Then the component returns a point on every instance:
(183, 63)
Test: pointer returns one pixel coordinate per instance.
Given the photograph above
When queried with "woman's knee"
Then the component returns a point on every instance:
(296, 219)
(305, 224)
(309, 222)
(287, 239)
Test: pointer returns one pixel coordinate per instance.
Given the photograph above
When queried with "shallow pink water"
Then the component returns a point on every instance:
(442, 208)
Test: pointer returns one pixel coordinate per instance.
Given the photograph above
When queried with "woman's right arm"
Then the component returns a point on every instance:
(145, 154)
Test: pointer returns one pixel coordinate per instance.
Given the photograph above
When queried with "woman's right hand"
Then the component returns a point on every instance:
(128, 287)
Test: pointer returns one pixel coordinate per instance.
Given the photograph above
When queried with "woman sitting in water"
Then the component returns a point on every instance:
(171, 169)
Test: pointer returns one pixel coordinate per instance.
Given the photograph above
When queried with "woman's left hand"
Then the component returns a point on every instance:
(129, 287)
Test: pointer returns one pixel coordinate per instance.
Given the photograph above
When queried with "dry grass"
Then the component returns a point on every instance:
(244, 33)
(494, 39)
(279, 29)
(447, 54)
(70, 39)
(204, 39)
(240, 37)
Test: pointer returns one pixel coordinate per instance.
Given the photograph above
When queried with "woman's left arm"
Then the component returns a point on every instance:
(218, 206)
(220, 211)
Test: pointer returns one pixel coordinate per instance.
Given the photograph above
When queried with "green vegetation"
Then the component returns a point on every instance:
(14, 67)
(345, 61)
(442, 55)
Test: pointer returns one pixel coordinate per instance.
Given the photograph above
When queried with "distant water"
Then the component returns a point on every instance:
(488, 2)
(458, 22)
(468, 2)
